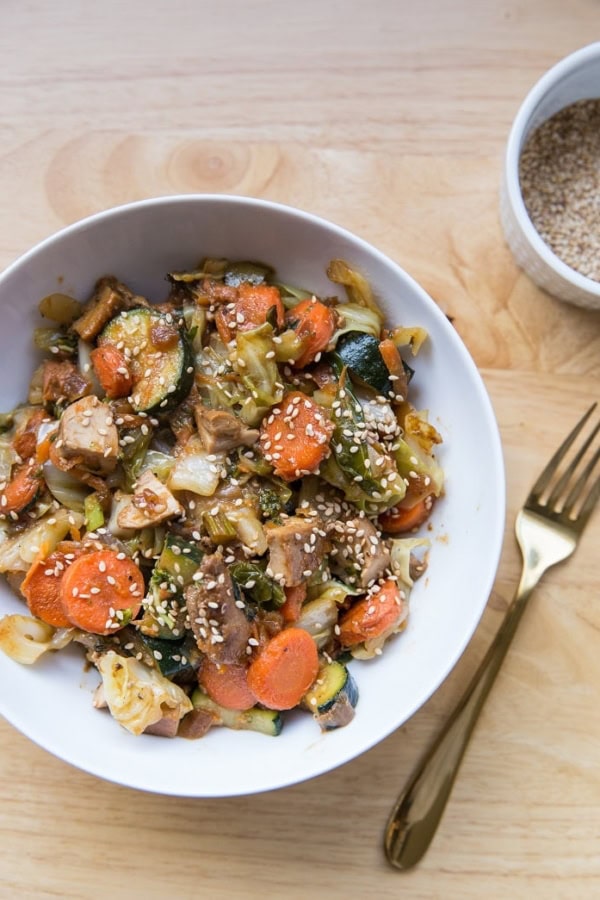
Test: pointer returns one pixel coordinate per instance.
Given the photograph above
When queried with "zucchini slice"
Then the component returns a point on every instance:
(360, 352)
(177, 660)
(164, 605)
(266, 721)
(179, 558)
(159, 357)
(333, 696)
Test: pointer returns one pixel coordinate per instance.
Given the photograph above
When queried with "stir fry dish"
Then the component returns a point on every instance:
(217, 496)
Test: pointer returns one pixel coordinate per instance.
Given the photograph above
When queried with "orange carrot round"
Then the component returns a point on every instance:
(285, 669)
(102, 591)
(401, 519)
(372, 616)
(314, 323)
(250, 309)
(227, 685)
(294, 598)
(42, 584)
(21, 490)
(294, 438)
(112, 370)
(254, 303)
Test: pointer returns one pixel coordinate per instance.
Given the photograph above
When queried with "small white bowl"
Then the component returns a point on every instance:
(51, 701)
(577, 77)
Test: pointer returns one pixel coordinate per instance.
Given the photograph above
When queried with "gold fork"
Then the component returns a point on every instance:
(548, 529)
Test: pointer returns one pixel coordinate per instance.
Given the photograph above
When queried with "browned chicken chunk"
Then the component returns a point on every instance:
(150, 504)
(296, 549)
(220, 627)
(63, 381)
(220, 430)
(108, 299)
(360, 555)
(87, 435)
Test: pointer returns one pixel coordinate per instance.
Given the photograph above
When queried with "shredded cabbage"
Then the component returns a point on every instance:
(137, 696)
(357, 287)
(400, 553)
(196, 470)
(18, 552)
(248, 528)
(258, 370)
(67, 490)
(318, 617)
(412, 337)
(357, 318)
(25, 638)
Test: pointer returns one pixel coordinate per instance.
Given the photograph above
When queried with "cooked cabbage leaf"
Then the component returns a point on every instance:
(136, 695)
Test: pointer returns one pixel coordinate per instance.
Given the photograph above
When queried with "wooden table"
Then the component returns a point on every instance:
(389, 118)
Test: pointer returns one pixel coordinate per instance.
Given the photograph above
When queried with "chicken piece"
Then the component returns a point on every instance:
(296, 549)
(220, 627)
(220, 430)
(360, 555)
(196, 724)
(150, 503)
(25, 440)
(108, 299)
(168, 725)
(63, 381)
(87, 435)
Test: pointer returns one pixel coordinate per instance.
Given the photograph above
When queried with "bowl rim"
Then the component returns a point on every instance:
(511, 165)
(495, 536)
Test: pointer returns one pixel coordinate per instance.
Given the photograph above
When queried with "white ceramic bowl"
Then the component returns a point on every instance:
(50, 702)
(577, 77)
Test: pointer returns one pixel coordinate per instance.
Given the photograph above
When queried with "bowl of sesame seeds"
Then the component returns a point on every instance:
(550, 198)
(51, 702)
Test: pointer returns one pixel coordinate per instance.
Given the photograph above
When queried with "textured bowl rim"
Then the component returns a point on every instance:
(511, 169)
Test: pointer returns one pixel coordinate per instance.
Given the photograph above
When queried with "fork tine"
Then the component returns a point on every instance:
(579, 485)
(586, 510)
(544, 479)
(564, 479)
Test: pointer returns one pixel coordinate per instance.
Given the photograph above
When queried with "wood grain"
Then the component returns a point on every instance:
(390, 118)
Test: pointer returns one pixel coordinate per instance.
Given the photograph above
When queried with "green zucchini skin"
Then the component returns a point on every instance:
(333, 697)
(360, 352)
(176, 660)
(265, 721)
(179, 558)
(163, 606)
(162, 375)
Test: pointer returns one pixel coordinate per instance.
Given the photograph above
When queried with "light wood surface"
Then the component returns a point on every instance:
(389, 118)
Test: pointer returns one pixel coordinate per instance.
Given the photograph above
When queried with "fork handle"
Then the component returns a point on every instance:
(419, 808)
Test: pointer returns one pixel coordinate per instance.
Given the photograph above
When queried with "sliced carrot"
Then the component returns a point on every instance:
(42, 451)
(227, 685)
(254, 304)
(294, 598)
(112, 370)
(21, 490)
(223, 321)
(102, 591)
(401, 519)
(25, 441)
(251, 308)
(42, 584)
(295, 436)
(285, 669)
(315, 324)
(391, 357)
(372, 616)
